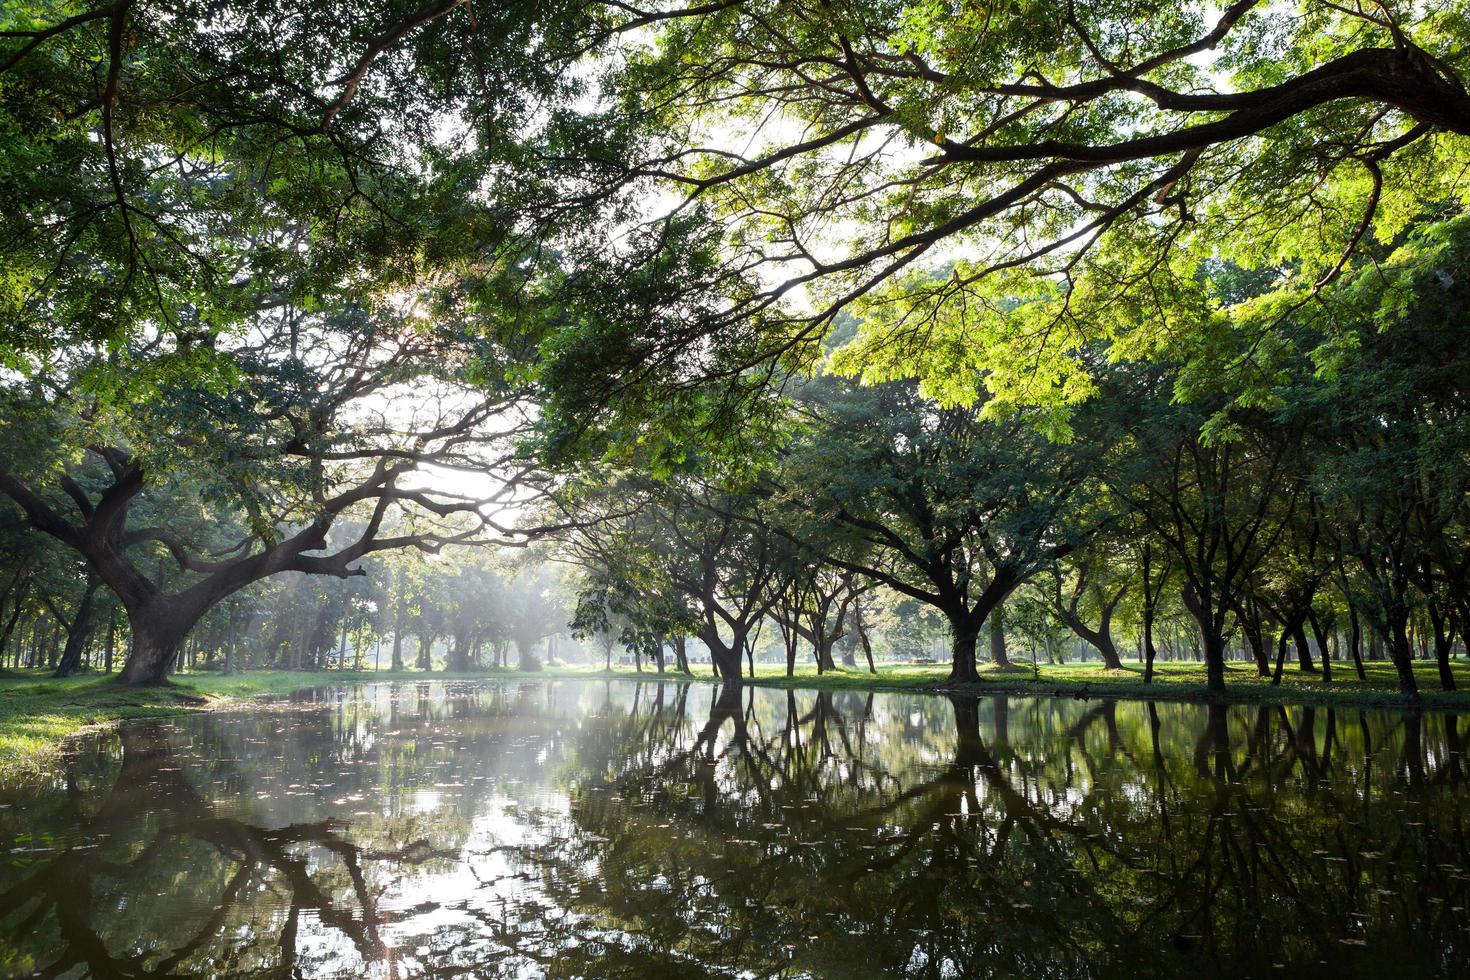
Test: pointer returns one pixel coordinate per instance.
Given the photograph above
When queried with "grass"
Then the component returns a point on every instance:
(38, 712)
(1172, 682)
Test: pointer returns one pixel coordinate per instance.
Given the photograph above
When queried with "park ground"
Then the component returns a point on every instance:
(38, 712)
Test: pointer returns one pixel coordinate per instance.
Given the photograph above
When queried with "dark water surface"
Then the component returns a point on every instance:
(576, 828)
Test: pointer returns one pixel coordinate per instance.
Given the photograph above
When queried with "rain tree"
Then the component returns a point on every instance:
(326, 445)
(716, 570)
(953, 509)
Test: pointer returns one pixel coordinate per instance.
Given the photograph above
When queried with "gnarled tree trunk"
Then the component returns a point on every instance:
(725, 657)
(1101, 639)
(157, 638)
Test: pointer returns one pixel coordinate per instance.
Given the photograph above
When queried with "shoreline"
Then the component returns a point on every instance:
(1307, 691)
(40, 714)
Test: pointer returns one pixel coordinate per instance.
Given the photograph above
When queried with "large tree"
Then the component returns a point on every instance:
(1219, 505)
(626, 590)
(330, 442)
(712, 567)
(951, 509)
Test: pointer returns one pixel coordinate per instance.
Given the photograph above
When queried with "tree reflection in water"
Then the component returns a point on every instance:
(594, 829)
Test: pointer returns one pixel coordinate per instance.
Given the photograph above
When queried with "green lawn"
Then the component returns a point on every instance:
(37, 712)
(1172, 681)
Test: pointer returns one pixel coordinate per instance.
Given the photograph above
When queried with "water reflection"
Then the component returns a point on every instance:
(594, 829)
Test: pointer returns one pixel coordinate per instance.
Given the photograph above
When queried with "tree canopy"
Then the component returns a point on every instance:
(994, 191)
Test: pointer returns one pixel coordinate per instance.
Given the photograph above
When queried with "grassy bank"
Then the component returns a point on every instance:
(1172, 682)
(38, 712)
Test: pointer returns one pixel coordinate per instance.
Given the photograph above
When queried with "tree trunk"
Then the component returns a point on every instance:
(862, 632)
(824, 655)
(1250, 625)
(1355, 637)
(458, 659)
(229, 645)
(78, 632)
(1444, 639)
(1210, 624)
(962, 668)
(33, 640)
(681, 653)
(1303, 652)
(526, 654)
(1101, 639)
(1402, 653)
(998, 636)
(9, 630)
(1281, 644)
(16, 588)
(1465, 631)
(157, 640)
(1150, 652)
(52, 640)
(1214, 654)
(400, 615)
(726, 658)
(1321, 636)
(111, 640)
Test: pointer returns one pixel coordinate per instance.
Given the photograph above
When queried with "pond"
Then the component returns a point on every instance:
(576, 828)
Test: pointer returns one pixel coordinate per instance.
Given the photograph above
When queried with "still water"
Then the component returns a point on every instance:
(600, 829)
